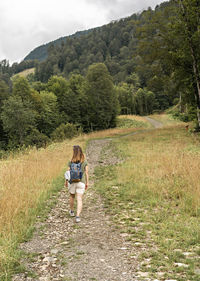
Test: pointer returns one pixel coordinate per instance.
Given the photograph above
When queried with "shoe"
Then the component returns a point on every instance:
(71, 213)
(78, 219)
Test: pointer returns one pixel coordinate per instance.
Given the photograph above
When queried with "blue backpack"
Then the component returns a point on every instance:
(75, 172)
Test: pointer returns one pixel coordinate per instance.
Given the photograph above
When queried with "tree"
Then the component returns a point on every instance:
(4, 94)
(18, 120)
(102, 98)
(68, 95)
(188, 26)
(45, 103)
(59, 86)
(21, 88)
(5, 67)
(125, 94)
(77, 84)
(151, 102)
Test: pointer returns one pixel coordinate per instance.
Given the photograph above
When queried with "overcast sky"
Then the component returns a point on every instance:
(27, 24)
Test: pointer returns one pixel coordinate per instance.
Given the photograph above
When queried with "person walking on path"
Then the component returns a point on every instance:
(76, 179)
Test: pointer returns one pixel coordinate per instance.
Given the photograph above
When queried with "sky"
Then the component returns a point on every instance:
(27, 24)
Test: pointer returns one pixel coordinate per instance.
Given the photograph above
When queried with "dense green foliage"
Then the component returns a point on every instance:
(170, 41)
(5, 67)
(135, 57)
(41, 53)
(137, 65)
(35, 113)
(102, 99)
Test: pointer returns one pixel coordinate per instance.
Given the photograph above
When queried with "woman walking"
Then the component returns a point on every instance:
(76, 179)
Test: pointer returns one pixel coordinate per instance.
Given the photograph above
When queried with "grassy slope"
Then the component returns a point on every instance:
(146, 184)
(28, 179)
(154, 196)
(25, 72)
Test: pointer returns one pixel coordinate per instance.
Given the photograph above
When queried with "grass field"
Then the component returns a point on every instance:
(160, 183)
(26, 183)
(154, 196)
(26, 72)
(168, 120)
(28, 179)
(132, 121)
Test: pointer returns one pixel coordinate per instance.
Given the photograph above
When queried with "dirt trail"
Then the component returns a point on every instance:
(154, 122)
(94, 249)
(91, 250)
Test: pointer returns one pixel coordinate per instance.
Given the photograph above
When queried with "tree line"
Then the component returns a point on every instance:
(34, 113)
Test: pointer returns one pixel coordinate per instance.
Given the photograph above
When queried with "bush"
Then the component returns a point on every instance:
(64, 131)
(187, 116)
(36, 138)
(3, 154)
(130, 123)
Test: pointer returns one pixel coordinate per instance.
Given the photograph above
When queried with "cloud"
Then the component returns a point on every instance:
(121, 8)
(26, 24)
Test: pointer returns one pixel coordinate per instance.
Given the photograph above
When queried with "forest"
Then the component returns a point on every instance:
(148, 62)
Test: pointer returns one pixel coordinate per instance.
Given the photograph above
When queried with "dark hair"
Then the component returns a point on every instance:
(78, 155)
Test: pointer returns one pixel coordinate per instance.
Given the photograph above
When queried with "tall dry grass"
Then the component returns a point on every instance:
(134, 117)
(119, 131)
(25, 72)
(25, 178)
(167, 120)
(25, 182)
(111, 132)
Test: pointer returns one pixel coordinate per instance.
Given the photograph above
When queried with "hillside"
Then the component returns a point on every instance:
(116, 44)
(144, 224)
(124, 55)
(26, 72)
(41, 53)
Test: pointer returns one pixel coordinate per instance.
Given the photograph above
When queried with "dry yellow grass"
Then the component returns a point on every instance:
(118, 131)
(25, 178)
(110, 132)
(25, 182)
(26, 72)
(167, 120)
(134, 117)
(28, 177)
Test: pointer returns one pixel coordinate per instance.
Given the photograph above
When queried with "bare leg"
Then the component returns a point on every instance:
(79, 203)
(71, 201)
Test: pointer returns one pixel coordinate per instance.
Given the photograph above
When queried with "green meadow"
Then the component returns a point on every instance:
(153, 196)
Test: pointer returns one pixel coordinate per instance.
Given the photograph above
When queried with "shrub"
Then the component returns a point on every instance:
(36, 138)
(3, 154)
(65, 131)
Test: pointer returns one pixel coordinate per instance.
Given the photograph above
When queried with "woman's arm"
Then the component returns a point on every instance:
(86, 177)
(66, 180)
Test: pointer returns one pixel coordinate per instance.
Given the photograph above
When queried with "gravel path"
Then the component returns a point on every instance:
(156, 124)
(91, 250)
(94, 249)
